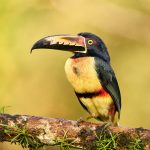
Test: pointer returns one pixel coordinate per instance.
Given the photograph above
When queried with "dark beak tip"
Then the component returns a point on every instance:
(33, 47)
(37, 45)
(31, 51)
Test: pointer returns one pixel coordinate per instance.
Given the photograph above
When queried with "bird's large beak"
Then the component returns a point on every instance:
(72, 43)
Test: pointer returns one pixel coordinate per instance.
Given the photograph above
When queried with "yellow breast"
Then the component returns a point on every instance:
(82, 75)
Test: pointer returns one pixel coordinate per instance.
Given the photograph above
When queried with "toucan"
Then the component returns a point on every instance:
(90, 73)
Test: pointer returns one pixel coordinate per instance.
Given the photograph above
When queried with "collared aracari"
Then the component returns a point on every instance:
(90, 73)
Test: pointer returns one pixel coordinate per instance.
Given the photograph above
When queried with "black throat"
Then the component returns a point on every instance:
(78, 54)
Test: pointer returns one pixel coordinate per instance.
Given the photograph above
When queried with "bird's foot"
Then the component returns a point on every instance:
(106, 125)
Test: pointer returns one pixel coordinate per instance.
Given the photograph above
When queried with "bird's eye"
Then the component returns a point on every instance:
(90, 42)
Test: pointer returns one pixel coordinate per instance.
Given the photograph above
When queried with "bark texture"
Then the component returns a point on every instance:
(34, 132)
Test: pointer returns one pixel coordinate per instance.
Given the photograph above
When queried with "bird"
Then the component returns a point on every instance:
(90, 73)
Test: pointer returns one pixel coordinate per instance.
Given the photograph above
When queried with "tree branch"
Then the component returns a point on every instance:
(34, 132)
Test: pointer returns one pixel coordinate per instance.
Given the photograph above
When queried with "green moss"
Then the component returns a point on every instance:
(136, 144)
(21, 137)
(106, 140)
(66, 143)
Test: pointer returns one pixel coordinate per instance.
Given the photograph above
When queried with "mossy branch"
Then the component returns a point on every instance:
(34, 132)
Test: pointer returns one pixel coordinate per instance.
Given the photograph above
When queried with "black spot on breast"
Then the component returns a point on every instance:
(76, 71)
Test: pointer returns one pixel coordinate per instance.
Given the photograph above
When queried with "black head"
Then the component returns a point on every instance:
(95, 46)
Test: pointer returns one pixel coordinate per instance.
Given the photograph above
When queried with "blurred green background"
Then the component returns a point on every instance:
(36, 84)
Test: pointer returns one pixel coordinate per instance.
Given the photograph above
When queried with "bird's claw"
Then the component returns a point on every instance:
(106, 125)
